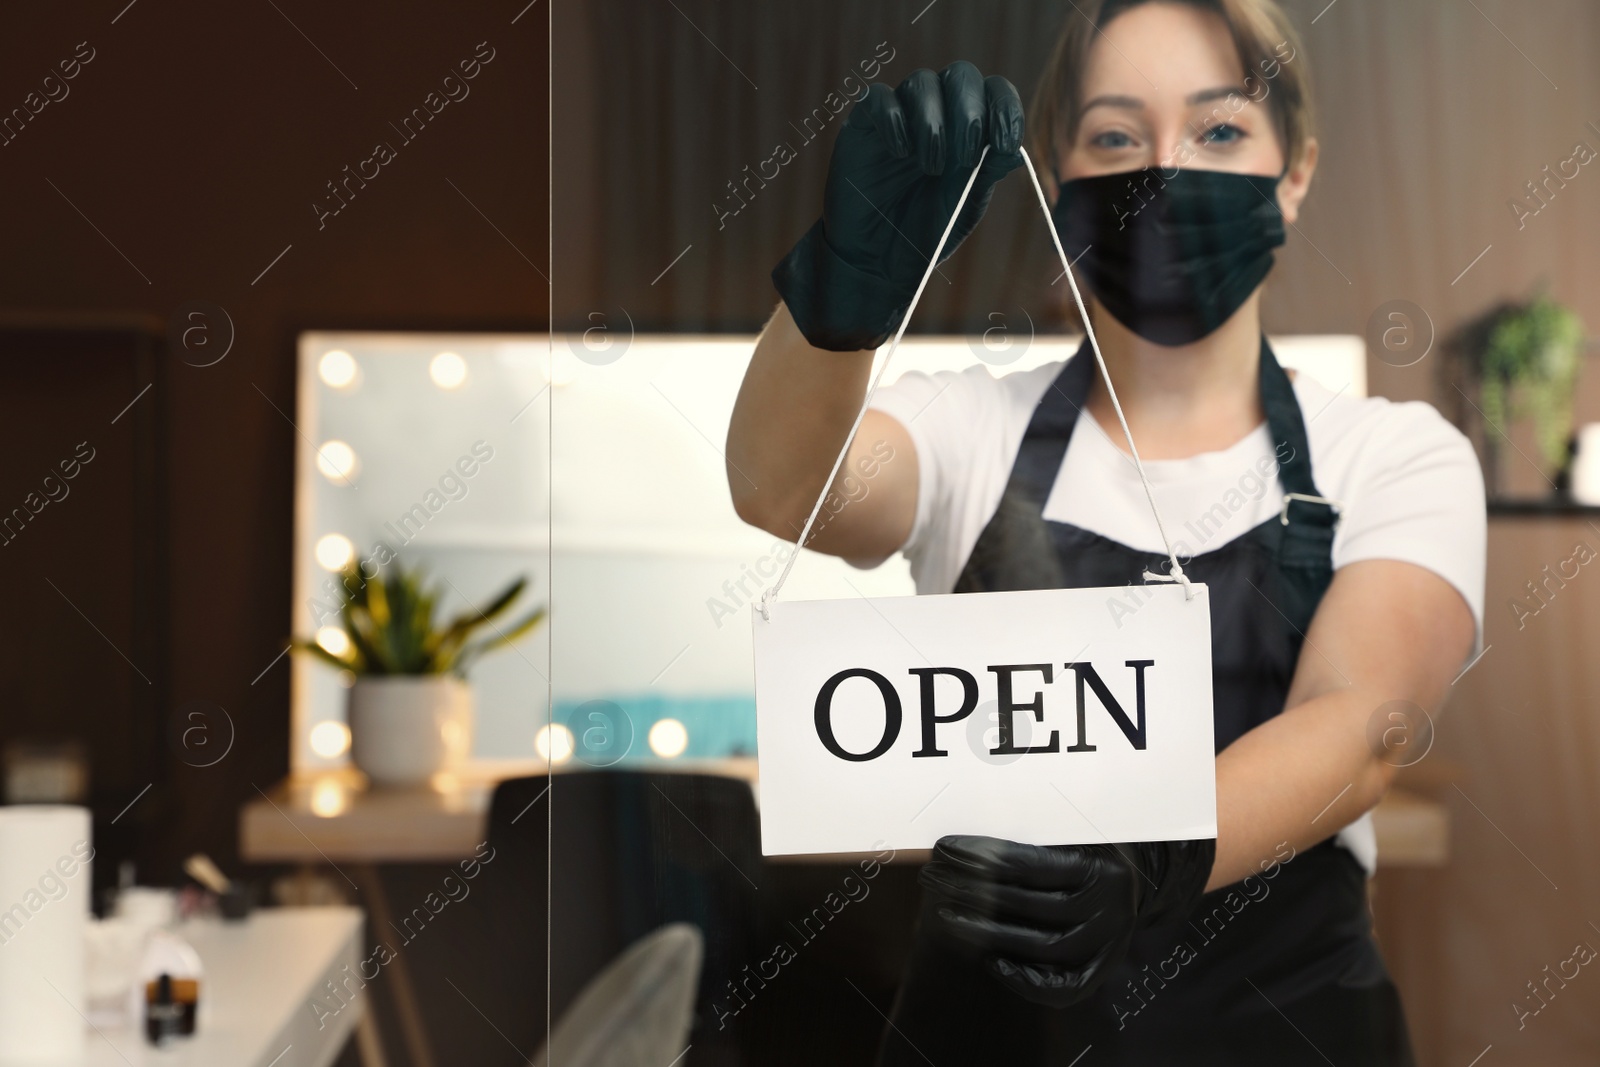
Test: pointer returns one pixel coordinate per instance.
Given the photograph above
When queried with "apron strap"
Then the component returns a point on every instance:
(1044, 445)
(1304, 509)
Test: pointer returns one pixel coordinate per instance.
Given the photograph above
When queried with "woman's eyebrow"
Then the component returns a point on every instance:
(1130, 103)
(1219, 93)
(1133, 103)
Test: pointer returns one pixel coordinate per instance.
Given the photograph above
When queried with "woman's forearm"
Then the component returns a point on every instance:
(1299, 777)
(1386, 631)
(794, 408)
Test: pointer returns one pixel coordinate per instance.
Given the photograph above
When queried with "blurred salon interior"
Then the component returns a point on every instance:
(377, 674)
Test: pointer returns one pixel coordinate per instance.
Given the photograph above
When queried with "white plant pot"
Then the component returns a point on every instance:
(406, 728)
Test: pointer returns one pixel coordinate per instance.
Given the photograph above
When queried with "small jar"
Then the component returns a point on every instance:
(168, 988)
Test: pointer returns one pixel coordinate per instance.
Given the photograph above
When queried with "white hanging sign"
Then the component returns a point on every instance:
(1052, 716)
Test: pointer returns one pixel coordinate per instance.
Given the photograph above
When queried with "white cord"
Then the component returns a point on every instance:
(1177, 574)
(771, 595)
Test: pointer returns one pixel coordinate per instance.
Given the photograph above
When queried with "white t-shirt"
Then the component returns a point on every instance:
(1408, 484)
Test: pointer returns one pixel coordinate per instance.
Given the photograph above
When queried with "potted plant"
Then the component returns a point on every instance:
(410, 709)
(1523, 359)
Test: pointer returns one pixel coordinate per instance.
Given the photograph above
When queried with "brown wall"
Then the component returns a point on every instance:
(195, 142)
(1433, 121)
(1430, 122)
(1520, 745)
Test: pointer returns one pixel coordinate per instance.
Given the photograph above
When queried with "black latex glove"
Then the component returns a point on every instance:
(898, 168)
(1052, 921)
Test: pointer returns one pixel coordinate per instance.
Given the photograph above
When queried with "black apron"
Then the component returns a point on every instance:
(1277, 969)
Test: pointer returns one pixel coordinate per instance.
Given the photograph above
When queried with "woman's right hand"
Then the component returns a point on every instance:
(898, 167)
(1053, 921)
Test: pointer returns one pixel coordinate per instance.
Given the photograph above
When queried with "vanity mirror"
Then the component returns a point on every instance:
(597, 473)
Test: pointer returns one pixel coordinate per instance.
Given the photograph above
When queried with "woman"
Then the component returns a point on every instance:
(1178, 135)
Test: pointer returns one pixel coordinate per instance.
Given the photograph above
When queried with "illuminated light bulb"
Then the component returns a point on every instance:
(328, 796)
(334, 641)
(554, 743)
(337, 461)
(334, 552)
(668, 738)
(455, 736)
(338, 368)
(447, 370)
(330, 740)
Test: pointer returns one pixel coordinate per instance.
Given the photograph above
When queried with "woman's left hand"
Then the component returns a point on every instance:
(1052, 921)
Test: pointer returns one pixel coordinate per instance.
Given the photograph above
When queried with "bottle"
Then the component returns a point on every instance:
(169, 986)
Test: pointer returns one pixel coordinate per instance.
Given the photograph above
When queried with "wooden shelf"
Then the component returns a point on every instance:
(1531, 507)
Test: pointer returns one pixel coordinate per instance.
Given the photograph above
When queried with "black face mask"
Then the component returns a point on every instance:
(1170, 254)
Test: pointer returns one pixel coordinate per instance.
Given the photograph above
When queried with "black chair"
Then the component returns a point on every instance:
(601, 858)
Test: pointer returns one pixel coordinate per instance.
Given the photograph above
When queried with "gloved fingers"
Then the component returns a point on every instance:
(1072, 947)
(1052, 987)
(1033, 866)
(1140, 870)
(963, 113)
(880, 110)
(922, 100)
(1057, 908)
(1004, 120)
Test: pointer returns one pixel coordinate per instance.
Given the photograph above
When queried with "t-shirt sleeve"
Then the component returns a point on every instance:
(1416, 494)
(930, 407)
(959, 424)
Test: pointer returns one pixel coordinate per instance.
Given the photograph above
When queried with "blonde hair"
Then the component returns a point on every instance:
(1260, 31)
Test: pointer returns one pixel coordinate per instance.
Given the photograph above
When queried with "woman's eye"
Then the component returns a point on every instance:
(1111, 139)
(1224, 133)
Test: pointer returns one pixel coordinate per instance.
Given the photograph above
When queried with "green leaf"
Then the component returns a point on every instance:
(327, 657)
(501, 603)
(469, 620)
(359, 628)
(500, 639)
